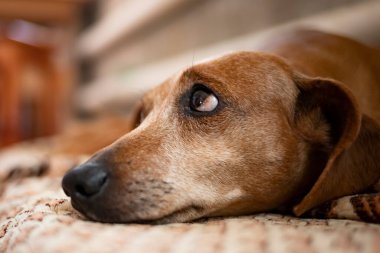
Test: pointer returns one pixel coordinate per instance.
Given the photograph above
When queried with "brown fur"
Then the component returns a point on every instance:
(295, 127)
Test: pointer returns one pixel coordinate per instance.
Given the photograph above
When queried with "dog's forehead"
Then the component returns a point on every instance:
(238, 73)
(240, 61)
(237, 70)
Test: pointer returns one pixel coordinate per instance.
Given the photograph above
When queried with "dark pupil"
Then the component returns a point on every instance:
(198, 98)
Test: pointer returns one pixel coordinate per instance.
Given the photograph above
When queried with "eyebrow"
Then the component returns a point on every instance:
(193, 74)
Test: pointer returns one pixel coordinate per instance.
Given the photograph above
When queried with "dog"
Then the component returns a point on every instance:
(287, 128)
(291, 128)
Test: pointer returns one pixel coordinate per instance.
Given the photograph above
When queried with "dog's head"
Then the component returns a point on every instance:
(239, 134)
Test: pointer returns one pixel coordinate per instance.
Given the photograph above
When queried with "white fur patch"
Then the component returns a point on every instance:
(234, 194)
(345, 208)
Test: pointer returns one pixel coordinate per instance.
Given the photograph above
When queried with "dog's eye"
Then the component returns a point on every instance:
(203, 100)
(141, 116)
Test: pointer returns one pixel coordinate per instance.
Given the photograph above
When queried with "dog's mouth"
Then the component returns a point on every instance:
(185, 214)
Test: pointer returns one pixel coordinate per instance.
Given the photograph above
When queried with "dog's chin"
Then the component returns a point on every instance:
(186, 214)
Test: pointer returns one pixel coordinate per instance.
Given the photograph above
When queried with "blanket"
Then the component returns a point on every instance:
(35, 216)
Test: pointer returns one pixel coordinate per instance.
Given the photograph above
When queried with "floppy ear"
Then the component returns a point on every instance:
(327, 116)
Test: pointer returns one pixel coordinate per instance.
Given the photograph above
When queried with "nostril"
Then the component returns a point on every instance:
(81, 190)
(92, 185)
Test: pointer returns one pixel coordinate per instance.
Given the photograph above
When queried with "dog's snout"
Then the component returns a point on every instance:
(84, 181)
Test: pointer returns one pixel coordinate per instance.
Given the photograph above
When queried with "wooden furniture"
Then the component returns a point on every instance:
(31, 92)
(37, 62)
(42, 11)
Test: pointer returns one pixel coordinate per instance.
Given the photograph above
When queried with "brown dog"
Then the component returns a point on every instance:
(285, 129)
(247, 132)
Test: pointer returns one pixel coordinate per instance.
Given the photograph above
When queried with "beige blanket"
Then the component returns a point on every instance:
(35, 216)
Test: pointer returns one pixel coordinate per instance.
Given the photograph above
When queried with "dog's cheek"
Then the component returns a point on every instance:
(199, 169)
(271, 166)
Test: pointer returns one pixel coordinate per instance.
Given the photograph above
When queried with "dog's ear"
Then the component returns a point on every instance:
(327, 117)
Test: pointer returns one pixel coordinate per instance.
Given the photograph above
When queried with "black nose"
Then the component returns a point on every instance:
(84, 181)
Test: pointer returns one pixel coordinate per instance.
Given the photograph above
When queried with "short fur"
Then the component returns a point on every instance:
(296, 127)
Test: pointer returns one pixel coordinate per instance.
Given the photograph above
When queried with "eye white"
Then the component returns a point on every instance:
(209, 104)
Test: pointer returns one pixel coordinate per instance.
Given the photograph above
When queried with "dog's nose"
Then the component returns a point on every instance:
(84, 181)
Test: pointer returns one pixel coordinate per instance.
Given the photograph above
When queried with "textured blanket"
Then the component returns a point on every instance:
(35, 216)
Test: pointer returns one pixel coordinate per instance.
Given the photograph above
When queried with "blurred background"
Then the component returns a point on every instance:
(64, 60)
